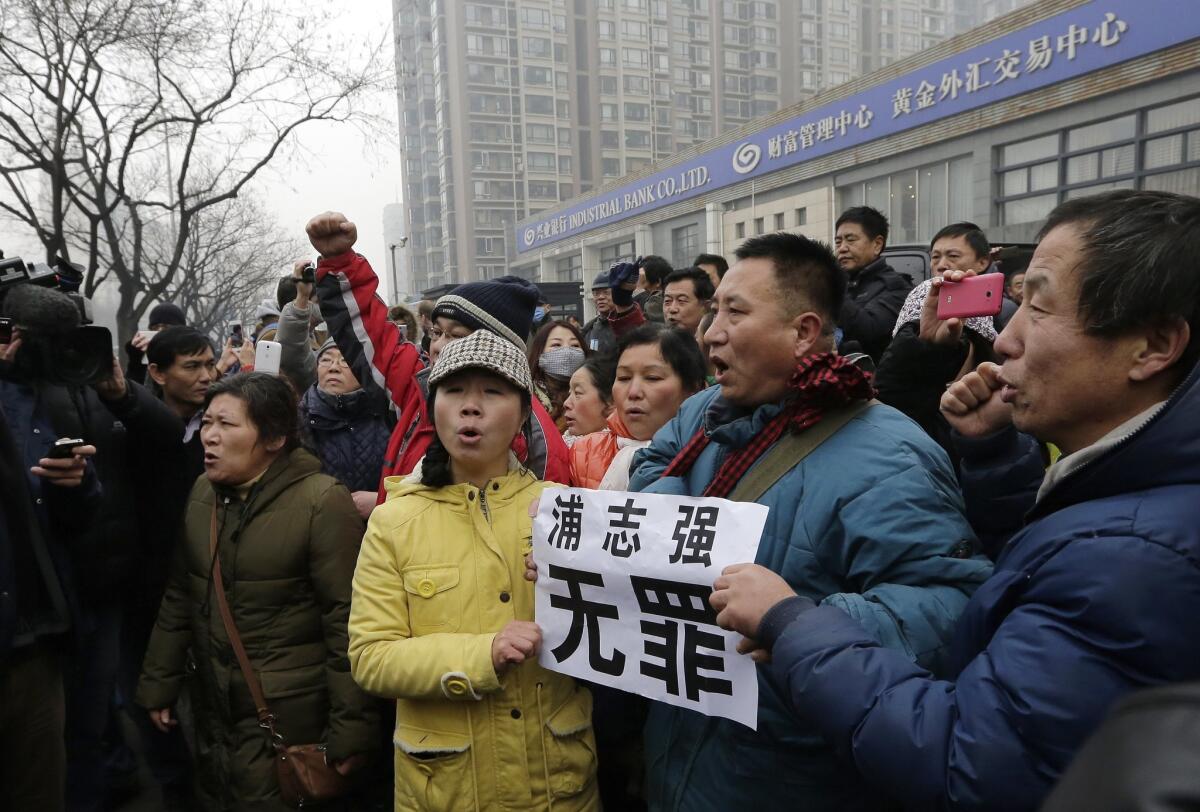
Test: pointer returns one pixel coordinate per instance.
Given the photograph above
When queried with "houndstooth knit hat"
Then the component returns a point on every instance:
(485, 350)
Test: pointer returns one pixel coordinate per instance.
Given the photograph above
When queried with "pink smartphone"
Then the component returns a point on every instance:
(977, 296)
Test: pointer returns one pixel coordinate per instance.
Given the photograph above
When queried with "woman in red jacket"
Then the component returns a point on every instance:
(358, 323)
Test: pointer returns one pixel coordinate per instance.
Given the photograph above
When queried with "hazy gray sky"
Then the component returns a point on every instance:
(340, 169)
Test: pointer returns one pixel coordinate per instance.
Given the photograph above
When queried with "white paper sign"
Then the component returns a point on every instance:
(622, 595)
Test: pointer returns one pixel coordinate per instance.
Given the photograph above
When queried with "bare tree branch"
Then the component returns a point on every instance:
(132, 134)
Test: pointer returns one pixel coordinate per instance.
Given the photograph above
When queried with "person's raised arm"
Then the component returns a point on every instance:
(296, 357)
(357, 317)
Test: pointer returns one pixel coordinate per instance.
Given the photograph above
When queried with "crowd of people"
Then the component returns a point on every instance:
(983, 536)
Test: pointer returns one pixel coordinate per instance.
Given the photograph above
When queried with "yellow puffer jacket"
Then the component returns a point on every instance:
(440, 573)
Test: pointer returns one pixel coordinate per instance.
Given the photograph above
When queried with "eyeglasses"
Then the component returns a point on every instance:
(329, 359)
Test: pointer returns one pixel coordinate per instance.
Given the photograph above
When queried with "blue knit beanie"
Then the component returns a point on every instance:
(503, 306)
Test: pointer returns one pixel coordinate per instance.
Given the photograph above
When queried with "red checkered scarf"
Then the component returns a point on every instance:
(820, 382)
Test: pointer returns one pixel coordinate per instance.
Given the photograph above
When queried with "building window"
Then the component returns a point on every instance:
(801, 216)
(739, 230)
(539, 133)
(619, 252)
(759, 227)
(917, 202)
(535, 18)
(542, 161)
(539, 105)
(1035, 175)
(637, 139)
(685, 244)
(779, 221)
(569, 269)
(536, 47)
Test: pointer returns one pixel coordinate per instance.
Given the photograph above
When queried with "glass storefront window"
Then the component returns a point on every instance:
(961, 181)
(931, 200)
(1185, 181)
(1031, 150)
(1180, 114)
(1102, 132)
(1116, 161)
(1043, 176)
(1029, 209)
(1082, 168)
(902, 219)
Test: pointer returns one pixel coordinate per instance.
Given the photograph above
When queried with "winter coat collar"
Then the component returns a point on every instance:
(877, 267)
(732, 425)
(501, 488)
(1151, 451)
(287, 470)
(332, 410)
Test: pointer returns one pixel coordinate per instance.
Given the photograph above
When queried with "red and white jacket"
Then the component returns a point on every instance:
(358, 323)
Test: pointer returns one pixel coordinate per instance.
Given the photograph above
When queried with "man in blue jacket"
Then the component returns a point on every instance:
(870, 523)
(1099, 593)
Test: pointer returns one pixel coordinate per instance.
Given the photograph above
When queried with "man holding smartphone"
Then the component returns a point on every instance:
(50, 501)
(928, 353)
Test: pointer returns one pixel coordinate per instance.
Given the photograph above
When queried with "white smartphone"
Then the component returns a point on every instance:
(266, 357)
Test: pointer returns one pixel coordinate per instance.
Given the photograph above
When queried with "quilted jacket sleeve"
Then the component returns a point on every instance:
(1000, 476)
(903, 551)
(1084, 630)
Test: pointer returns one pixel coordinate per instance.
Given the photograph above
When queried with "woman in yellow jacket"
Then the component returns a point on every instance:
(442, 617)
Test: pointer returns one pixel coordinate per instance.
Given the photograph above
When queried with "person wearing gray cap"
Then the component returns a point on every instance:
(597, 333)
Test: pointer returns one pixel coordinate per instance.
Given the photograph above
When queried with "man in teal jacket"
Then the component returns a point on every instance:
(871, 521)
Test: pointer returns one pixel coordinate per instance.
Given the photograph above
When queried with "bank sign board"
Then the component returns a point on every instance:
(1087, 38)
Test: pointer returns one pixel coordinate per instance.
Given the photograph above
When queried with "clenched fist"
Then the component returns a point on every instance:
(973, 406)
(331, 233)
(517, 642)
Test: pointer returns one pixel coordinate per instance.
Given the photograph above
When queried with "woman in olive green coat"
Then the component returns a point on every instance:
(288, 539)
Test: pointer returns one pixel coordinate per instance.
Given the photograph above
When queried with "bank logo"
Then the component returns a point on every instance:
(746, 158)
(530, 234)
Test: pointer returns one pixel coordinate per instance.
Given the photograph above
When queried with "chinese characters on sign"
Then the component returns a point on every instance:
(622, 595)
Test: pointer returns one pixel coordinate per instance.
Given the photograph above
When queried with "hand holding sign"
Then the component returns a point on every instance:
(622, 597)
(742, 596)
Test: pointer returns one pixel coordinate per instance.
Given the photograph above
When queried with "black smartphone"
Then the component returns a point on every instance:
(64, 447)
(6, 331)
(235, 334)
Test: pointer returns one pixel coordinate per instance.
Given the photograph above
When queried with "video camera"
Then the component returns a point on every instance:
(76, 357)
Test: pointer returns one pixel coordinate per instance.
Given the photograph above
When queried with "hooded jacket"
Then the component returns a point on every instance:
(441, 572)
(1095, 597)
(287, 555)
(358, 323)
(871, 522)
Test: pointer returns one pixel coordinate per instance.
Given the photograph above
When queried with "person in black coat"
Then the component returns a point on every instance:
(874, 292)
(47, 517)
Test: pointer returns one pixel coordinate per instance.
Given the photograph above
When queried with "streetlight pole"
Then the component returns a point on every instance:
(399, 294)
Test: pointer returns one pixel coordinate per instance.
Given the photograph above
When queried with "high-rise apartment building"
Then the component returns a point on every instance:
(508, 107)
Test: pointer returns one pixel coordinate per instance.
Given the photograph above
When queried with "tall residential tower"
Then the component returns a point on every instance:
(508, 107)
